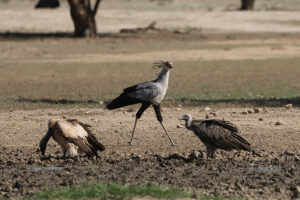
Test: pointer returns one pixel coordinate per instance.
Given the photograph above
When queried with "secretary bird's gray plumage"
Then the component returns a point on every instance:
(146, 93)
(216, 134)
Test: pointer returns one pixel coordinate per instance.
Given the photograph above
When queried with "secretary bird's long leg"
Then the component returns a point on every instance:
(172, 143)
(138, 116)
(130, 142)
(159, 118)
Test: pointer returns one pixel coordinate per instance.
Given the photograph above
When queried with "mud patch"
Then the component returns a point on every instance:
(270, 175)
(273, 172)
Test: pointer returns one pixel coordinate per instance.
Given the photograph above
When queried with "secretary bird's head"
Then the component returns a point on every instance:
(163, 64)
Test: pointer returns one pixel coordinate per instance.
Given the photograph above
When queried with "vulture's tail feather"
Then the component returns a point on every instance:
(121, 101)
(93, 141)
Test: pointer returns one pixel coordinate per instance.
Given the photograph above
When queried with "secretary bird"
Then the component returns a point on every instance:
(73, 136)
(146, 93)
(216, 134)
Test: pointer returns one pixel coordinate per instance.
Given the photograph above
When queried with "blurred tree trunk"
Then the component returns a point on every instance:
(247, 4)
(83, 17)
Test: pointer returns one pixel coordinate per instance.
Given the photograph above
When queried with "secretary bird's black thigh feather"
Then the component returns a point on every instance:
(121, 101)
(142, 109)
(157, 112)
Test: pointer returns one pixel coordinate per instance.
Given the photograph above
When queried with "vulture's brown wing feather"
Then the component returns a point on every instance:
(231, 127)
(92, 138)
(225, 124)
(82, 145)
(94, 144)
(77, 140)
(93, 141)
(76, 121)
(219, 133)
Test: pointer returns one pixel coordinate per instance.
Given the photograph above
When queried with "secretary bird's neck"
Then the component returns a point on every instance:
(163, 76)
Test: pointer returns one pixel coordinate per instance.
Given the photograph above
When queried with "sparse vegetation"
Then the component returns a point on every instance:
(118, 192)
(111, 191)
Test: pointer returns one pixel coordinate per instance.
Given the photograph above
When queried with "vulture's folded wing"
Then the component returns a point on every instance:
(221, 133)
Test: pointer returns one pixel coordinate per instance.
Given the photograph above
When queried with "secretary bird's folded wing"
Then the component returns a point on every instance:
(145, 91)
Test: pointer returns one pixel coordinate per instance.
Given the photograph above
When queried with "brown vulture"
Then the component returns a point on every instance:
(216, 134)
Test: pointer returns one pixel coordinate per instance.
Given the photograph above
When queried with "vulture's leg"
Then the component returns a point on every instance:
(137, 116)
(159, 118)
(64, 152)
(210, 151)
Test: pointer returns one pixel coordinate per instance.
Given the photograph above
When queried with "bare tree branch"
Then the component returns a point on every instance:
(96, 7)
(89, 6)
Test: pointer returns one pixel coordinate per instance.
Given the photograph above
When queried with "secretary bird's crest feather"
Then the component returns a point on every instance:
(156, 67)
(159, 64)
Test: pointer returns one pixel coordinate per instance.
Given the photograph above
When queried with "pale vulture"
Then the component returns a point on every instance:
(73, 136)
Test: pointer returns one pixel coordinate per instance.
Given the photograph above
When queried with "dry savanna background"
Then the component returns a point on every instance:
(241, 66)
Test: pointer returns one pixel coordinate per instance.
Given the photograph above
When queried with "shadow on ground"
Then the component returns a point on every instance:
(271, 102)
(268, 102)
(55, 101)
(57, 35)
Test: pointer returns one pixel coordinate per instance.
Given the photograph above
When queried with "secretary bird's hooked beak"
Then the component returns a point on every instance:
(169, 64)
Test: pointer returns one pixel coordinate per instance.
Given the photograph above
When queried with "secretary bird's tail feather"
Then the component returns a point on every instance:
(121, 101)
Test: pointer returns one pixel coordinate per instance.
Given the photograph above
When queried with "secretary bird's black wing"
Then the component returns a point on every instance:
(130, 89)
(140, 93)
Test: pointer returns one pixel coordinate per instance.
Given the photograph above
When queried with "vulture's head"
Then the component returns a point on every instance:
(186, 117)
(45, 139)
